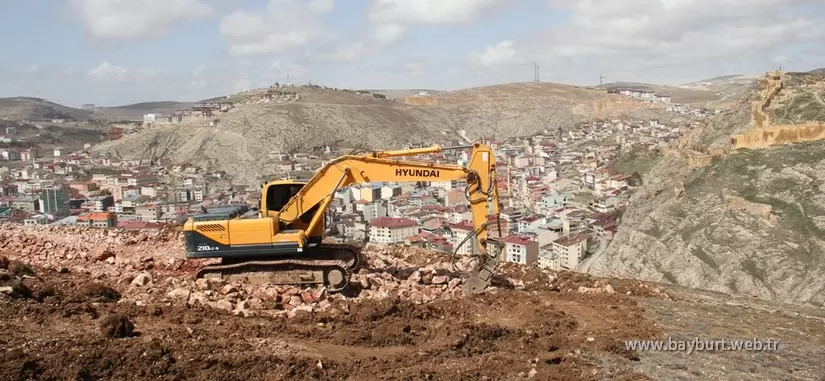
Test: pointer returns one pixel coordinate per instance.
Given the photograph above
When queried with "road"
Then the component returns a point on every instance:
(584, 266)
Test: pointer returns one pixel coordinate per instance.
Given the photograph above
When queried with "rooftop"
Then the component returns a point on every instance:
(571, 240)
(392, 222)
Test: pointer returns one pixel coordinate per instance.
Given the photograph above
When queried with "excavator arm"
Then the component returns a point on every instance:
(386, 166)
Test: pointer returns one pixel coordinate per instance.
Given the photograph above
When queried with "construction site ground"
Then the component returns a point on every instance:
(79, 304)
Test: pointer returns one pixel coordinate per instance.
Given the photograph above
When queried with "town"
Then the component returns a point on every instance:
(562, 199)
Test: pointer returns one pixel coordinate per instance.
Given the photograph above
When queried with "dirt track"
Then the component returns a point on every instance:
(68, 323)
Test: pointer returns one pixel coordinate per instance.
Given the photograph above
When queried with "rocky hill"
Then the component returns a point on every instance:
(245, 138)
(751, 221)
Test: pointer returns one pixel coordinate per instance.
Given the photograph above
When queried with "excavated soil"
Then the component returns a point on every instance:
(81, 332)
(95, 304)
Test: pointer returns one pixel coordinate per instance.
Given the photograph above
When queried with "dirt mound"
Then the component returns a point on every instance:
(546, 335)
(117, 326)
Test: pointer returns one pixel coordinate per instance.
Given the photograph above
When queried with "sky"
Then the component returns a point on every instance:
(115, 52)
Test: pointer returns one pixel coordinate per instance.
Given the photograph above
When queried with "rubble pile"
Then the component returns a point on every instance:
(149, 267)
(98, 252)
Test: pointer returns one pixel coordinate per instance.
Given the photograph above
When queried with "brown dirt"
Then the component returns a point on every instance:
(81, 332)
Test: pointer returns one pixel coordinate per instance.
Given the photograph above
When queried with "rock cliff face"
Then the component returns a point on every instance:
(750, 222)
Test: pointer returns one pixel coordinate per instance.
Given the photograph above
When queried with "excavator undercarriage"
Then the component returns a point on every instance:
(331, 265)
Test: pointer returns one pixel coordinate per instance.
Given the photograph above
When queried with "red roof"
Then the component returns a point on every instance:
(461, 226)
(518, 240)
(571, 240)
(532, 218)
(415, 238)
(391, 222)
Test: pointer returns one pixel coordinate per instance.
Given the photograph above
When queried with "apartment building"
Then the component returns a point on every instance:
(521, 250)
(387, 230)
(569, 251)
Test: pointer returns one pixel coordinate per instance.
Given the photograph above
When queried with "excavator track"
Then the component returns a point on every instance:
(329, 264)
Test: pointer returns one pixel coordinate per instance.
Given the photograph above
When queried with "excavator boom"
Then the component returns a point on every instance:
(296, 218)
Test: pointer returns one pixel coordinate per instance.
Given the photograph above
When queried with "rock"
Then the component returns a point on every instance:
(609, 289)
(101, 253)
(415, 277)
(179, 293)
(295, 300)
(454, 283)
(111, 260)
(141, 279)
(202, 284)
(228, 289)
(440, 279)
(224, 304)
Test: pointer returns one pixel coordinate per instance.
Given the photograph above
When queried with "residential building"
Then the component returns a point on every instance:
(521, 250)
(373, 210)
(387, 230)
(97, 220)
(459, 233)
(149, 212)
(26, 203)
(55, 200)
(39, 219)
(569, 251)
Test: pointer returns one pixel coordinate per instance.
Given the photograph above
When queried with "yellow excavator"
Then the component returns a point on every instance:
(284, 243)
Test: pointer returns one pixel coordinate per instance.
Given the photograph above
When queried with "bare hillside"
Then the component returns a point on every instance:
(27, 108)
(135, 112)
(247, 136)
(751, 222)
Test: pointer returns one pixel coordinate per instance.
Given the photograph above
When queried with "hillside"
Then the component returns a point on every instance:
(135, 112)
(36, 109)
(750, 222)
(247, 136)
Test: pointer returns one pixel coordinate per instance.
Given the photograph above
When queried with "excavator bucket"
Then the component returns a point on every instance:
(487, 266)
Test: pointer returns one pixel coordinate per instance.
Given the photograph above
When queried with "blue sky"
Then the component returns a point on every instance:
(112, 52)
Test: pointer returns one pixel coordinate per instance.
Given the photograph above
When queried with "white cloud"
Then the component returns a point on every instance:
(388, 34)
(285, 25)
(642, 37)
(107, 72)
(350, 52)
(430, 11)
(500, 54)
(129, 19)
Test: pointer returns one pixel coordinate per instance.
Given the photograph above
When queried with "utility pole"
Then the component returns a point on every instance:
(601, 79)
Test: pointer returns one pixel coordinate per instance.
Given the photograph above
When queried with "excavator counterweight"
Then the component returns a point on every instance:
(284, 243)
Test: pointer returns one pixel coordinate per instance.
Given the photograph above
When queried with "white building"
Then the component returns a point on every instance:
(460, 231)
(386, 230)
(521, 250)
(569, 251)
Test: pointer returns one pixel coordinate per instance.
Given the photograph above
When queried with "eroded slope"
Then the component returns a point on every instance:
(750, 222)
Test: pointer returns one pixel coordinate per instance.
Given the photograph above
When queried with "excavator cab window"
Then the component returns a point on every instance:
(278, 195)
